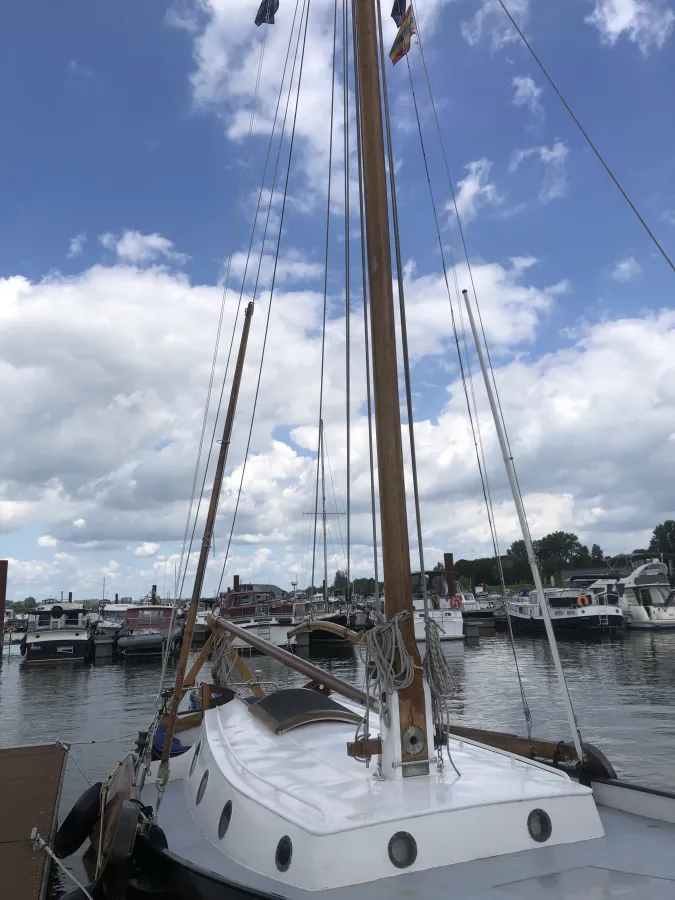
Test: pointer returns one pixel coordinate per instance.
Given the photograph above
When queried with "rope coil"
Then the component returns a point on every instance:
(384, 653)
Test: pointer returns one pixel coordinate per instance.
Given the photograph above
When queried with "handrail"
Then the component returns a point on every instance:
(302, 666)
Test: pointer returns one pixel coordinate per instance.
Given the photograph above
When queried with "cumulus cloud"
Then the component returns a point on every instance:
(146, 549)
(475, 191)
(554, 161)
(527, 93)
(46, 540)
(647, 23)
(134, 247)
(626, 269)
(76, 245)
(490, 23)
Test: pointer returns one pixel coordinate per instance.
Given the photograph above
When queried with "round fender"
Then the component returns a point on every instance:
(79, 823)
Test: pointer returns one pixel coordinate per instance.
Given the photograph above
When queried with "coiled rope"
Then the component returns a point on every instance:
(383, 652)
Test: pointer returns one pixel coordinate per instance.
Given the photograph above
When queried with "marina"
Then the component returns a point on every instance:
(484, 728)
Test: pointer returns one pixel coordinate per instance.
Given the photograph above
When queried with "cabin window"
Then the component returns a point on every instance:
(202, 787)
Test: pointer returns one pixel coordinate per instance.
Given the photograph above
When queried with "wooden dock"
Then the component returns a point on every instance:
(30, 788)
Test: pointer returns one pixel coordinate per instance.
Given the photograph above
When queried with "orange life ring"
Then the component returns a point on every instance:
(582, 600)
(455, 603)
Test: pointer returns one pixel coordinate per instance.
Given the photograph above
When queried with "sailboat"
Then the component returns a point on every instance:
(372, 792)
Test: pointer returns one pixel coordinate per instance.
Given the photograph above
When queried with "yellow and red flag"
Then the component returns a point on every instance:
(401, 45)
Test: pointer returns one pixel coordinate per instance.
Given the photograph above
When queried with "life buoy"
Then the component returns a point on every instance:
(79, 823)
(455, 603)
(582, 600)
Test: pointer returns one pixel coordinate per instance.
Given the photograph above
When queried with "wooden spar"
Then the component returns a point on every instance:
(293, 662)
(393, 518)
(206, 546)
(341, 631)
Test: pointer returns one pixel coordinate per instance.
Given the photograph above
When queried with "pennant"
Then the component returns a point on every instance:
(401, 45)
(266, 12)
(398, 12)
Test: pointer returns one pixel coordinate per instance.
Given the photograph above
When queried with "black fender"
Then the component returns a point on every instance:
(79, 823)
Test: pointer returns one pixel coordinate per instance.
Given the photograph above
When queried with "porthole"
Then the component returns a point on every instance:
(402, 849)
(224, 821)
(539, 825)
(195, 757)
(284, 853)
(202, 787)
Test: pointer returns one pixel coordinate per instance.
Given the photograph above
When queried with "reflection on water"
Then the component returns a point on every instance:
(623, 690)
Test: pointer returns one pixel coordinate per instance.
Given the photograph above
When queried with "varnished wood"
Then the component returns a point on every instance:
(206, 541)
(369, 747)
(199, 661)
(353, 637)
(596, 764)
(184, 720)
(393, 518)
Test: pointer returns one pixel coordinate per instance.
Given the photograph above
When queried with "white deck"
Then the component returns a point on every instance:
(303, 785)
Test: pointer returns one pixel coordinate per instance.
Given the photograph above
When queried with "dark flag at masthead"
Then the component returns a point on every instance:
(266, 12)
(398, 12)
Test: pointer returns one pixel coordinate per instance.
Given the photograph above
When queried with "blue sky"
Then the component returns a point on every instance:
(123, 136)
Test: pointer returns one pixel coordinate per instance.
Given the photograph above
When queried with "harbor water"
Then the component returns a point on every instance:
(623, 690)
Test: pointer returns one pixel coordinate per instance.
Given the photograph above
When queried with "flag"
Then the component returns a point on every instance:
(266, 12)
(402, 43)
(398, 12)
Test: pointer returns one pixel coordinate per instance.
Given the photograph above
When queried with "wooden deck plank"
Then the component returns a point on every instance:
(30, 788)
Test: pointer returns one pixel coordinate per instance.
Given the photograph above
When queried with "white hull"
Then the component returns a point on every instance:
(652, 618)
(450, 622)
(275, 634)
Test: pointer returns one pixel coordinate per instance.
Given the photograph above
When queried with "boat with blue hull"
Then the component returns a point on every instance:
(58, 632)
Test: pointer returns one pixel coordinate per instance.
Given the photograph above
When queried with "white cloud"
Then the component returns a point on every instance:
(554, 160)
(668, 216)
(134, 247)
(475, 191)
(146, 549)
(626, 269)
(527, 93)
(46, 540)
(490, 22)
(647, 23)
(76, 245)
(79, 523)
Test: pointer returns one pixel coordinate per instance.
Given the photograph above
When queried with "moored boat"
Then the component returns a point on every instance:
(646, 597)
(58, 632)
(571, 612)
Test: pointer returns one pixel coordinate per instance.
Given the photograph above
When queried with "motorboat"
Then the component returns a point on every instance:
(645, 595)
(571, 612)
(58, 632)
(442, 613)
(148, 628)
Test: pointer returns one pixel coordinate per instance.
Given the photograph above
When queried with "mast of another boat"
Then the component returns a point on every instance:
(406, 753)
(323, 501)
(522, 519)
(205, 549)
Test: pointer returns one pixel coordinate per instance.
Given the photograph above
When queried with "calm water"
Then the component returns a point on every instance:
(623, 690)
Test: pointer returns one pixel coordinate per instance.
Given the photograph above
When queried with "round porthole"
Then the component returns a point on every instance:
(539, 825)
(202, 787)
(284, 853)
(224, 821)
(402, 849)
(195, 757)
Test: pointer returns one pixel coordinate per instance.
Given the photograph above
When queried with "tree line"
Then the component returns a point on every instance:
(556, 551)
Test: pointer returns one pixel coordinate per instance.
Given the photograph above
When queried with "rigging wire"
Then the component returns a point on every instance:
(325, 285)
(335, 499)
(475, 425)
(365, 287)
(235, 229)
(402, 316)
(306, 5)
(345, 126)
(587, 137)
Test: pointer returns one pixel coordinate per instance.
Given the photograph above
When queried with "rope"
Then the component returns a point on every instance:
(441, 682)
(384, 649)
(222, 663)
(587, 137)
(364, 275)
(40, 844)
(325, 291)
(473, 414)
(235, 228)
(345, 126)
(276, 260)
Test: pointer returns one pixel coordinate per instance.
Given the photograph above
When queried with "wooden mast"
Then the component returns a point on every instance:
(394, 523)
(205, 548)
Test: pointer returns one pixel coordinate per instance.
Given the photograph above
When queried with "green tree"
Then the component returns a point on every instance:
(340, 582)
(560, 545)
(439, 567)
(597, 556)
(517, 550)
(663, 539)
(30, 602)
